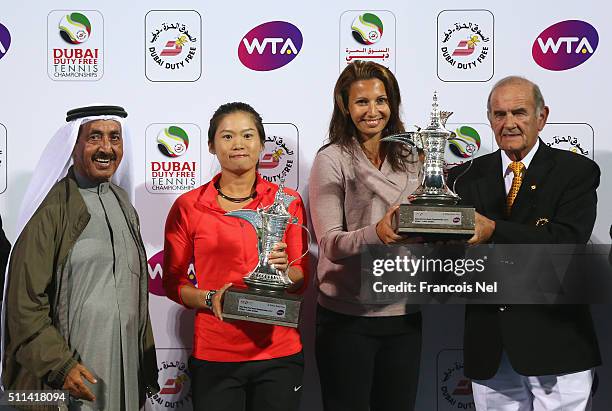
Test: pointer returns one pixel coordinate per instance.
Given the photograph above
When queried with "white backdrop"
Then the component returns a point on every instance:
(295, 101)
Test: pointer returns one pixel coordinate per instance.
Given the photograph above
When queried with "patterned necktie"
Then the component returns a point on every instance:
(517, 168)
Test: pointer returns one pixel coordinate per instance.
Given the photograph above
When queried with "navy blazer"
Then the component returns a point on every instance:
(557, 203)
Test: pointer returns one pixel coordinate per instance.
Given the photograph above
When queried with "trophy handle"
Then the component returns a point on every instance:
(309, 240)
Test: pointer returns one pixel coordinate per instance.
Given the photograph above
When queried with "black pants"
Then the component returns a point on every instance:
(266, 385)
(368, 363)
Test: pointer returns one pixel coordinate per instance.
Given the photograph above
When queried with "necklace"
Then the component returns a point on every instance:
(236, 199)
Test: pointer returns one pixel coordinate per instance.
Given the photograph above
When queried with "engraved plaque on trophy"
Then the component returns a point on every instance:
(433, 210)
(265, 299)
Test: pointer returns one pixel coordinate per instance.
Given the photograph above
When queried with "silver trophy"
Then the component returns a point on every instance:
(433, 209)
(266, 300)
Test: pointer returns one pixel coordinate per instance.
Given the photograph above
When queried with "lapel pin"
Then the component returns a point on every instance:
(533, 187)
(541, 221)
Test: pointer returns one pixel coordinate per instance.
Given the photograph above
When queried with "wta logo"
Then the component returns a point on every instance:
(565, 45)
(270, 46)
(156, 273)
(75, 28)
(5, 40)
(172, 141)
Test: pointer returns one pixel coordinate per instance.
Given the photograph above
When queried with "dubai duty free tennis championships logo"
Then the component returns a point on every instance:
(465, 143)
(565, 45)
(5, 40)
(172, 158)
(471, 140)
(172, 141)
(75, 28)
(75, 45)
(270, 46)
(367, 28)
(369, 36)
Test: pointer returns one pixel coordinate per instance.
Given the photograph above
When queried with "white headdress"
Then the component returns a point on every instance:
(56, 159)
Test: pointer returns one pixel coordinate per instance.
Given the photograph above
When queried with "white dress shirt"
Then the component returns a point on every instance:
(507, 172)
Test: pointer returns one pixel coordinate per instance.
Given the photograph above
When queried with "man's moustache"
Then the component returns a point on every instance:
(104, 156)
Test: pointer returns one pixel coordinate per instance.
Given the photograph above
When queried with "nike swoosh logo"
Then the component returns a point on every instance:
(295, 389)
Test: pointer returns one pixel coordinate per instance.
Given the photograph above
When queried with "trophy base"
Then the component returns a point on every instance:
(262, 306)
(437, 222)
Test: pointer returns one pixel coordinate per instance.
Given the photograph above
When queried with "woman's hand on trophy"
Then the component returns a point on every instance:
(384, 228)
(278, 257)
(217, 301)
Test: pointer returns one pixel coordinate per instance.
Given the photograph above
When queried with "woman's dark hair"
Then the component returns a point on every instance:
(342, 130)
(229, 108)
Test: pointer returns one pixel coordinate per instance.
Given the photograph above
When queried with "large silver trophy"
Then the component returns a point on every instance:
(433, 209)
(266, 300)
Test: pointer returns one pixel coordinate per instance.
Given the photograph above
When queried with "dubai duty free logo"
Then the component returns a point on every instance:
(75, 45)
(280, 156)
(454, 389)
(565, 45)
(174, 381)
(369, 36)
(578, 138)
(465, 45)
(270, 46)
(173, 45)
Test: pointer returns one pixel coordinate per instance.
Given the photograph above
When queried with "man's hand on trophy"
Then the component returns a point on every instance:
(483, 229)
(278, 257)
(384, 228)
(217, 301)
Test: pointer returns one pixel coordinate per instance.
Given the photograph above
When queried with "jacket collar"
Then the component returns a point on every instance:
(208, 196)
(378, 181)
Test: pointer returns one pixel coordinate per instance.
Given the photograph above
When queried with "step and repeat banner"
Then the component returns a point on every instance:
(171, 64)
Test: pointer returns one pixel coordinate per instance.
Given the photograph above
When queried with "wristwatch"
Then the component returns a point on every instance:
(208, 298)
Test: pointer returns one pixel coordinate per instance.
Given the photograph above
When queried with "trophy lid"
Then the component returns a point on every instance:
(281, 201)
(438, 118)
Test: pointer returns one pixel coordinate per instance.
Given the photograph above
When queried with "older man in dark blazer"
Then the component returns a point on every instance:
(528, 357)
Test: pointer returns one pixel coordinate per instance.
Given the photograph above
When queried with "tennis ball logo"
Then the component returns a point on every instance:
(466, 142)
(367, 28)
(75, 28)
(172, 141)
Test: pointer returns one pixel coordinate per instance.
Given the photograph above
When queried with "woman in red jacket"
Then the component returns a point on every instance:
(235, 365)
